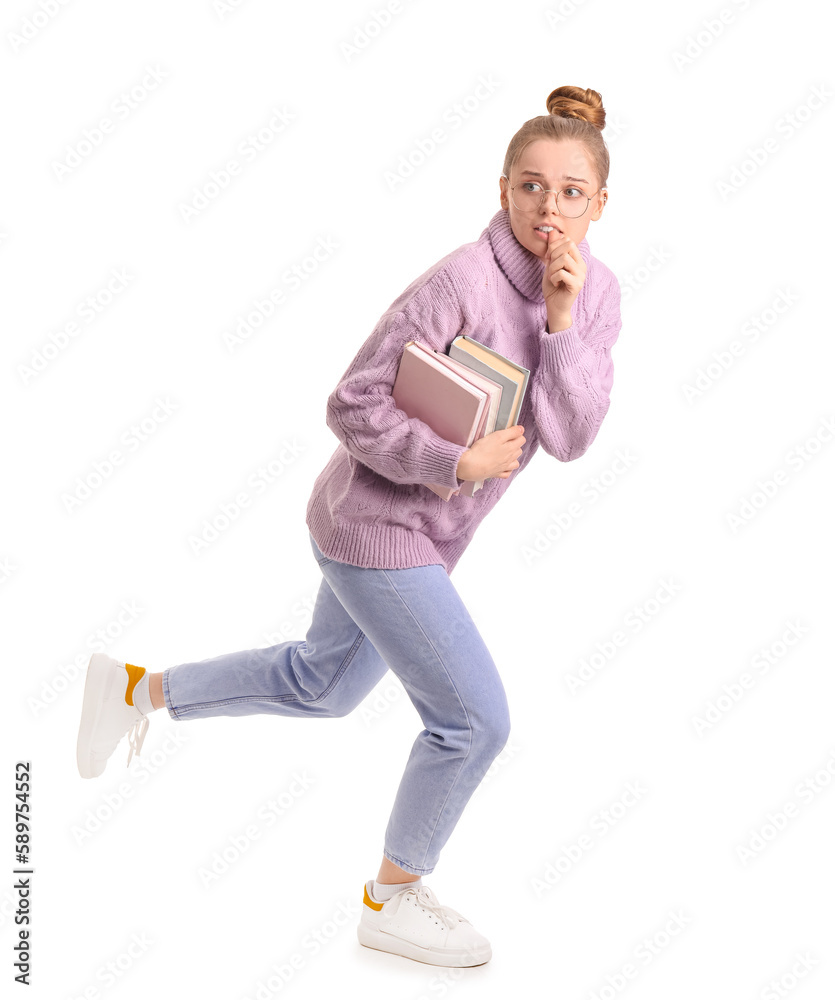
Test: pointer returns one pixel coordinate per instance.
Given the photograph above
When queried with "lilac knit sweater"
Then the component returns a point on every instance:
(369, 506)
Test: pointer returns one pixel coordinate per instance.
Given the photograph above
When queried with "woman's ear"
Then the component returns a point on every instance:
(503, 192)
(601, 204)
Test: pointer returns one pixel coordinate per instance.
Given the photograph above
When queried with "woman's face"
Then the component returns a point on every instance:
(555, 165)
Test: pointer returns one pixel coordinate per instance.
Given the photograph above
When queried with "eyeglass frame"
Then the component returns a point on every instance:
(556, 198)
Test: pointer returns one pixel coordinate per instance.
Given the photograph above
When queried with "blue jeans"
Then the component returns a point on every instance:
(366, 621)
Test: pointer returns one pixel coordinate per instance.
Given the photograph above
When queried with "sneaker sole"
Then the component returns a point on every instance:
(380, 941)
(95, 687)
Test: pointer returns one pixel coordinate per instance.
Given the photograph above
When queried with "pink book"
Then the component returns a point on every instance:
(427, 388)
(487, 423)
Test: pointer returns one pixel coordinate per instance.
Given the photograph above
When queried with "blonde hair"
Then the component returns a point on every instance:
(573, 113)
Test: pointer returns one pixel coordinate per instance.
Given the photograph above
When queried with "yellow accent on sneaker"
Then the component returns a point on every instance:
(369, 901)
(135, 675)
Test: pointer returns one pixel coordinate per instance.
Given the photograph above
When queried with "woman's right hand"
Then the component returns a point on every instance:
(492, 456)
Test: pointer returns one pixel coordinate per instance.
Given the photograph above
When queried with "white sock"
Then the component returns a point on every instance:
(381, 891)
(142, 694)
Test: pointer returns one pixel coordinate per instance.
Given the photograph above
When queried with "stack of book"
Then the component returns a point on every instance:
(462, 396)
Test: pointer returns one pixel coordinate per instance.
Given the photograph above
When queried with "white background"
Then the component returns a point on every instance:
(718, 207)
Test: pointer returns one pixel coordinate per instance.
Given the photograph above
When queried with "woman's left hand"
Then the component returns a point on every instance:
(565, 272)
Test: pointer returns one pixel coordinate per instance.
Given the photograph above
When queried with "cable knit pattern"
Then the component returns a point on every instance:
(369, 505)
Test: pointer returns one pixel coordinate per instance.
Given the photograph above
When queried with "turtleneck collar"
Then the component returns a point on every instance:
(522, 268)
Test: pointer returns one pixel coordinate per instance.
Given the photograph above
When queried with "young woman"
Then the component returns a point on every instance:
(529, 288)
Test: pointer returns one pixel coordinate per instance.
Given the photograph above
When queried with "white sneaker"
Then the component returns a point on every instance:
(415, 925)
(107, 713)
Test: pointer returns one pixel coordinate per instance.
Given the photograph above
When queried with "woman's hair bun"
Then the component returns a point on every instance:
(577, 102)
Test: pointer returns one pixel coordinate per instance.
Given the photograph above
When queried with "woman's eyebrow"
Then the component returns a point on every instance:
(565, 177)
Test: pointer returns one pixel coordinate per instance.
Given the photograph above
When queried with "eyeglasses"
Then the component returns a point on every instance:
(530, 197)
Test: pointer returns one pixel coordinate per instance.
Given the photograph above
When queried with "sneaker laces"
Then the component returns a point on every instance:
(136, 736)
(429, 901)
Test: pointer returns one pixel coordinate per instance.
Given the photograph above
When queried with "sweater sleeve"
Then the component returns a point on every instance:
(570, 389)
(363, 415)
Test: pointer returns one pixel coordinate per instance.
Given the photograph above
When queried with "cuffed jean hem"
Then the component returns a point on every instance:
(166, 693)
(406, 866)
